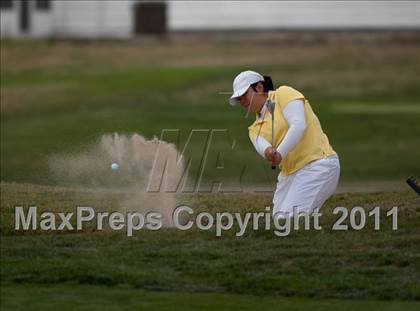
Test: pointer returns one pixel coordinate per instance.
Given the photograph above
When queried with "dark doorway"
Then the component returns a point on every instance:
(6, 4)
(150, 18)
(43, 4)
(24, 16)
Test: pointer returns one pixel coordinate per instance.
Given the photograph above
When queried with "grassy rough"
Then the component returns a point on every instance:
(365, 264)
(89, 297)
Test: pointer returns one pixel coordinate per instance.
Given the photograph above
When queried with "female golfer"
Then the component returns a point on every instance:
(287, 133)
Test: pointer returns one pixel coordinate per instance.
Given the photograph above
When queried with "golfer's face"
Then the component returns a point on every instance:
(246, 99)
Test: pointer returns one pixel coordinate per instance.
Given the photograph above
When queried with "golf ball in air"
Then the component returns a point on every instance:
(114, 166)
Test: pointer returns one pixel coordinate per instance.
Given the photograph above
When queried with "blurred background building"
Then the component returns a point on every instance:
(128, 18)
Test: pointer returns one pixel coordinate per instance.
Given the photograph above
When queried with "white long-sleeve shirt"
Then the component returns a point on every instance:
(294, 114)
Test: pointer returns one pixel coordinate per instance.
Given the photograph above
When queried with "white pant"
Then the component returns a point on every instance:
(307, 189)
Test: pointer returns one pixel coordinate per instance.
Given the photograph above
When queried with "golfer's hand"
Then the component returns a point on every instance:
(272, 156)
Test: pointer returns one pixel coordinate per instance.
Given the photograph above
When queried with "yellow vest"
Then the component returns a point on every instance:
(314, 143)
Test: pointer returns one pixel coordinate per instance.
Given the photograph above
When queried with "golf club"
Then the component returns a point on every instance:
(412, 182)
(270, 107)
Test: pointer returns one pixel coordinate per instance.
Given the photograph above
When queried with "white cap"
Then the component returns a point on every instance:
(242, 82)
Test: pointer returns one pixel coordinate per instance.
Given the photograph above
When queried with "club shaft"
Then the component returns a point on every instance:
(272, 134)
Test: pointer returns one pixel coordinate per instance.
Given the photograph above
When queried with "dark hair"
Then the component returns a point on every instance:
(267, 83)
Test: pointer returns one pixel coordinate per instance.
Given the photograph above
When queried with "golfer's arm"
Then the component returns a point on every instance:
(294, 114)
(260, 144)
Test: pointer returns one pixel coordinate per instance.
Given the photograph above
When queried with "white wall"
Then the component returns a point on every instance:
(9, 26)
(115, 18)
(93, 19)
(120, 18)
(40, 21)
(236, 15)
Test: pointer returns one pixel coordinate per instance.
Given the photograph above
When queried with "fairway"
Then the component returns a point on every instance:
(59, 99)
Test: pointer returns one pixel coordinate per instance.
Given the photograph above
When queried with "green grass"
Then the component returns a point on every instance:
(366, 264)
(61, 97)
(84, 297)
